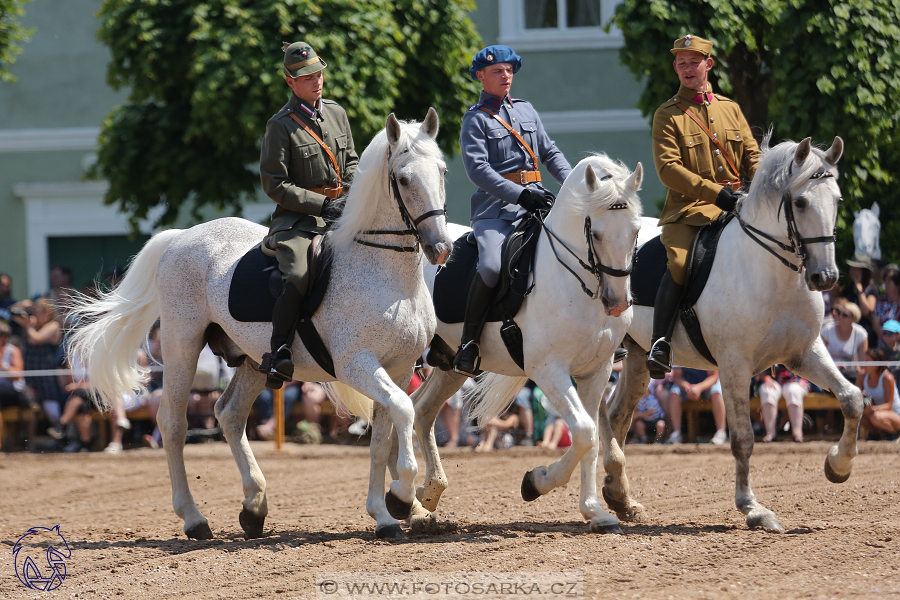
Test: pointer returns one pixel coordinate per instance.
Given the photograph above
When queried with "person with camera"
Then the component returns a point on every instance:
(502, 140)
(41, 335)
(701, 142)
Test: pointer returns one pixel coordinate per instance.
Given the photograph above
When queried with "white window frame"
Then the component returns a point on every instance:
(513, 32)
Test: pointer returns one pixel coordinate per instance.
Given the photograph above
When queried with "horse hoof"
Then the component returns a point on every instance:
(425, 523)
(833, 477)
(616, 506)
(397, 508)
(764, 519)
(529, 490)
(390, 532)
(428, 500)
(251, 524)
(610, 528)
(200, 532)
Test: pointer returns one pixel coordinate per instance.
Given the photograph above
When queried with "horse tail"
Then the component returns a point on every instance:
(114, 326)
(492, 395)
(346, 398)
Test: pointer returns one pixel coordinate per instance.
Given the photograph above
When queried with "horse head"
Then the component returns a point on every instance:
(795, 186)
(602, 193)
(417, 172)
(866, 232)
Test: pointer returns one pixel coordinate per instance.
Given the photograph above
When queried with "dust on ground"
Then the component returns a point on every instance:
(842, 541)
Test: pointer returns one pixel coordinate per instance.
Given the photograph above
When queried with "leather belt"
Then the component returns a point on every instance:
(735, 185)
(331, 192)
(522, 176)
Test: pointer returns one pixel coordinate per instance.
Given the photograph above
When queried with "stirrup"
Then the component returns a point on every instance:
(464, 352)
(619, 355)
(659, 359)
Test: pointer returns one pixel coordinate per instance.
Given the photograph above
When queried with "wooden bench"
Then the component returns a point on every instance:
(812, 401)
(13, 417)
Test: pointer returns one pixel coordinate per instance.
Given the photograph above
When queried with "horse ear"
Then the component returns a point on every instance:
(634, 181)
(876, 210)
(803, 151)
(590, 179)
(393, 130)
(834, 153)
(430, 124)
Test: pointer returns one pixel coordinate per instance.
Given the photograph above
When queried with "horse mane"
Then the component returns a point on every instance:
(775, 175)
(607, 193)
(369, 193)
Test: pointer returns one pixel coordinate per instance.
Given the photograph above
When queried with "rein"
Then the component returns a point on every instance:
(410, 223)
(594, 266)
(797, 243)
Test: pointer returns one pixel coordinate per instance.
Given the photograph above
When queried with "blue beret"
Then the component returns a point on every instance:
(493, 55)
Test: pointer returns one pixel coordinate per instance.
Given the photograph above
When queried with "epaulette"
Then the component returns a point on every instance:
(723, 98)
(326, 101)
(514, 100)
(474, 106)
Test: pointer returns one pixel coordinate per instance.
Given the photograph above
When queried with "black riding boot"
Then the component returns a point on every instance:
(659, 359)
(278, 365)
(480, 296)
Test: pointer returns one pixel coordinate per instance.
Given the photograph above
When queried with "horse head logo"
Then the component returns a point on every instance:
(866, 232)
(41, 564)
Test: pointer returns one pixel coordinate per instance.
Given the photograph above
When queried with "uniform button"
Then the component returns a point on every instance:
(690, 143)
(737, 137)
(514, 119)
(712, 119)
(718, 152)
(720, 167)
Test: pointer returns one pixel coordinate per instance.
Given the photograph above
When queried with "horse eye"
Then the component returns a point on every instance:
(404, 181)
(801, 202)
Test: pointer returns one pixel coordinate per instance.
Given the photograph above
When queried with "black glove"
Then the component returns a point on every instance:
(332, 209)
(727, 199)
(535, 200)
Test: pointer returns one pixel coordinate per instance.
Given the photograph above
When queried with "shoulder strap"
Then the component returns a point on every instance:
(325, 147)
(711, 136)
(516, 135)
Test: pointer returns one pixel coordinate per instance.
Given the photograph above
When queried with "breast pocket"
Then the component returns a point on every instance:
(500, 145)
(308, 168)
(695, 154)
(529, 134)
(340, 152)
(735, 144)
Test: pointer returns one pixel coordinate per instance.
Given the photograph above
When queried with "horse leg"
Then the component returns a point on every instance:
(386, 526)
(592, 396)
(428, 400)
(632, 385)
(555, 382)
(737, 411)
(181, 360)
(818, 367)
(232, 410)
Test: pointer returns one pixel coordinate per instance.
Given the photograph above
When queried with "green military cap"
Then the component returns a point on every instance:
(692, 42)
(300, 59)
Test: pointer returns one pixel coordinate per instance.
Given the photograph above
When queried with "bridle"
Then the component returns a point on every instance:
(411, 224)
(593, 266)
(797, 243)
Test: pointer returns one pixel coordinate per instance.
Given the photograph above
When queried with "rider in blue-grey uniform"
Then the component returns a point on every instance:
(502, 140)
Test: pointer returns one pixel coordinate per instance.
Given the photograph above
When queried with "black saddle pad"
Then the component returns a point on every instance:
(451, 286)
(648, 272)
(250, 298)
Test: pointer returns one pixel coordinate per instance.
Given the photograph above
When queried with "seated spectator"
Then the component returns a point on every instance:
(41, 335)
(556, 432)
(776, 383)
(6, 299)
(451, 414)
(844, 338)
(696, 384)
(890, 343)
(525, 402)
(649, 415)
(498, 431)
(13, 390)
(887, 306)
(210, 379)
(877, 383)
(77, 408)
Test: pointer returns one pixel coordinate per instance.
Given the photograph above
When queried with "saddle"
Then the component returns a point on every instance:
(257, 283)
(453, 280)
(651, 266)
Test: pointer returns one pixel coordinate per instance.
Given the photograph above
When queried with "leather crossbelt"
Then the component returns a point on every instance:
(331, 192)
(735, 185)
(522, 176)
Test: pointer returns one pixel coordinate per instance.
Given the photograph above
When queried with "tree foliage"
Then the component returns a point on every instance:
(816, 68)
(205, 76)
(12, 34)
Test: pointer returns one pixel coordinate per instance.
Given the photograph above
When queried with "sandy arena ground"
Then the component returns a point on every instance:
(843, 541)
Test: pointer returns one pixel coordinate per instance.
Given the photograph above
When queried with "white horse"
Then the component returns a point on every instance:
(376, 319)
(567, 333)
(756, 312)
(867, 231)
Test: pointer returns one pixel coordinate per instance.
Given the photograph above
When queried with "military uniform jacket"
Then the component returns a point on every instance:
(291, 160)
(488, 150)
(689, 163)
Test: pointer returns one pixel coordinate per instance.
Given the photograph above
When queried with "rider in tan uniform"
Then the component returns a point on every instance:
(701, 171)
(306, 160)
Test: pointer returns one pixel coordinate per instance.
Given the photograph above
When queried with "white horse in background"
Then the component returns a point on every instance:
(867, 232)
(567, 333)
(376, 319)
(756, 312)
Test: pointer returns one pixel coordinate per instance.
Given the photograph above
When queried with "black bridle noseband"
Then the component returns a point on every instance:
(411, 224)
(593, 266)
(797, 243)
